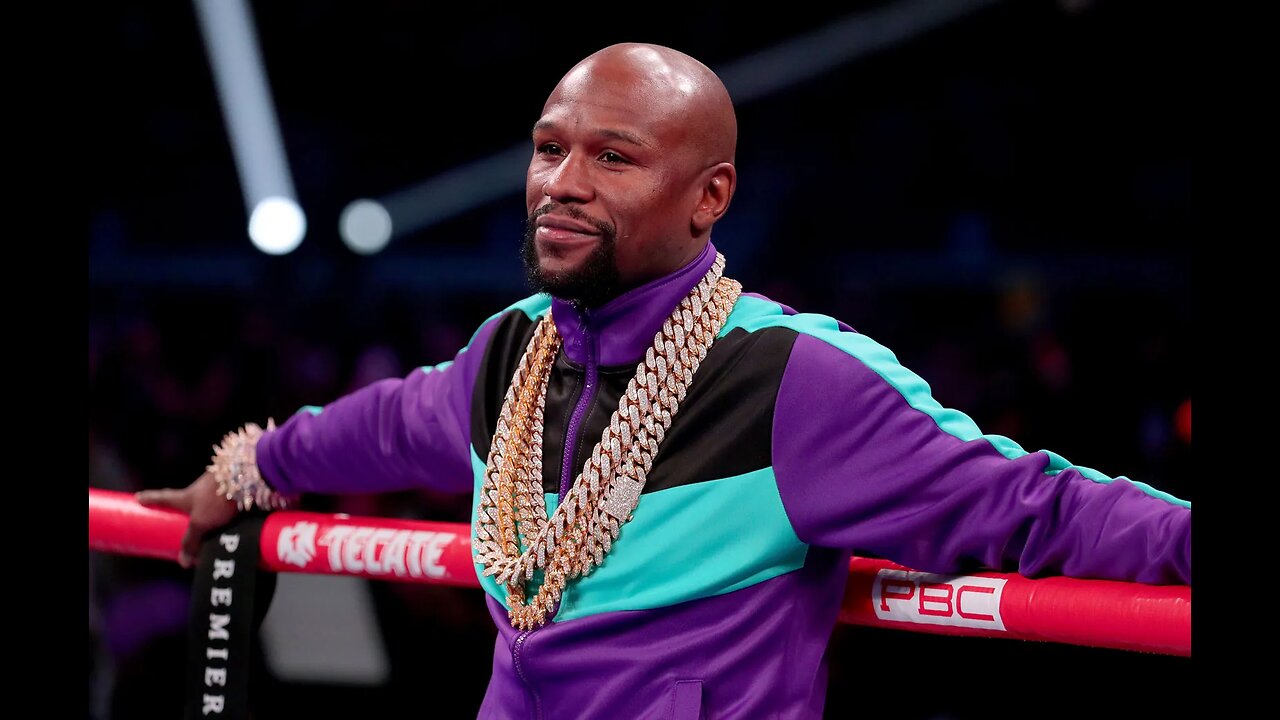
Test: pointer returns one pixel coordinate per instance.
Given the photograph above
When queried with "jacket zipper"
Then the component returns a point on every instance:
(566, 476)
(515, 656)
(584, 402)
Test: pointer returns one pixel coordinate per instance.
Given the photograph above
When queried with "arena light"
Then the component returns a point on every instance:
(365, 226)
(277, 223)
(449, 194)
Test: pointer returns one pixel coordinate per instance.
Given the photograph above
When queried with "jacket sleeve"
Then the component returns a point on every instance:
(866, 459)
(394, 434)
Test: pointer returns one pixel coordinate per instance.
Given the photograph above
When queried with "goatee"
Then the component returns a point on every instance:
(592, 283)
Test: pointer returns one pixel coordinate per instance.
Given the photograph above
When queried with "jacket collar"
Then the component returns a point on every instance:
(623, 328)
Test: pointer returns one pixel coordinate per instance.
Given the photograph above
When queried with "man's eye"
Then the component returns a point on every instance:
(550, 149)
(609, 156)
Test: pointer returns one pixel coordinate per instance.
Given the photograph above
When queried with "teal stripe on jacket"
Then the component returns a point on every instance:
(753, 314)
(673, 531)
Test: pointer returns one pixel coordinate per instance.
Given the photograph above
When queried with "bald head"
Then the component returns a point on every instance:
(632, 165)
(674, 86)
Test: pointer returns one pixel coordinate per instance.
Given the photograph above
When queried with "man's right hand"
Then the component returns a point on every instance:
(200, 500)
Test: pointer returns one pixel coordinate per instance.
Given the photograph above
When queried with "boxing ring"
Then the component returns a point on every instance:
(1094, 613)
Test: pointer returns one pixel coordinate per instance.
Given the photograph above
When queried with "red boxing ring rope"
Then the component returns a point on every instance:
(1095, 613)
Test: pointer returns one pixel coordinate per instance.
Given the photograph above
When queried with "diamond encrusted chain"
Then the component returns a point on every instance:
(514, 537)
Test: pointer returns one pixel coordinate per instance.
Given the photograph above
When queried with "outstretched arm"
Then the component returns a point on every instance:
(865, 458)
(394, 434)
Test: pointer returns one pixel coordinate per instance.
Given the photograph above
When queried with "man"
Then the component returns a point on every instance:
(668, 474)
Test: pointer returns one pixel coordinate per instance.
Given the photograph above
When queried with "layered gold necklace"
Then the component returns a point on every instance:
(514, 536)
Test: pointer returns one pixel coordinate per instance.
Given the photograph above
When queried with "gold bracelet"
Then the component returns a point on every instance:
(235, 468)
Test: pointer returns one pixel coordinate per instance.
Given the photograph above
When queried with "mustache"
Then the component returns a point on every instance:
(605, 227)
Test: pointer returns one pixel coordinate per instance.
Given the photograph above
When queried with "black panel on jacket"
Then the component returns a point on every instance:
(722, 429)
(506, 346)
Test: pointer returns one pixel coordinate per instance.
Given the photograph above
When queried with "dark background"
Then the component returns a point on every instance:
(1006, 201)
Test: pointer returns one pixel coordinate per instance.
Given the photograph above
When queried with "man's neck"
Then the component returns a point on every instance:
(618, 331)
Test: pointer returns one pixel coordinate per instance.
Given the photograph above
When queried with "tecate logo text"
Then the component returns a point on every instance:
(366, 550)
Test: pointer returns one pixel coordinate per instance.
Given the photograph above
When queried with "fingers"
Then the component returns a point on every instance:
(197, 527)
(190, 548)
(205, 509)
(167, 498)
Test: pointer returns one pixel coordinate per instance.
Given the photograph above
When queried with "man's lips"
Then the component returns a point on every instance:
(555, 228)
(560, 223)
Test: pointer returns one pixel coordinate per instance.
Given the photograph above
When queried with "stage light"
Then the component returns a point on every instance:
(277, 225)
(276, 222)
(365, 226)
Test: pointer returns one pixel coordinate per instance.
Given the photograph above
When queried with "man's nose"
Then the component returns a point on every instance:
(569, 181)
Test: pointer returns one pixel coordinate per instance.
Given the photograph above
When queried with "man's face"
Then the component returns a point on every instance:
(611, 186)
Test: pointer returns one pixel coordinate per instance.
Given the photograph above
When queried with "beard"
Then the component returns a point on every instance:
(589, 285)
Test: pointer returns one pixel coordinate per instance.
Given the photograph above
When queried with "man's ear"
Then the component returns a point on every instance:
(717, 191)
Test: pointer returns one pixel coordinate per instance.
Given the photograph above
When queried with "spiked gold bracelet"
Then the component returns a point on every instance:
(235, 468)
